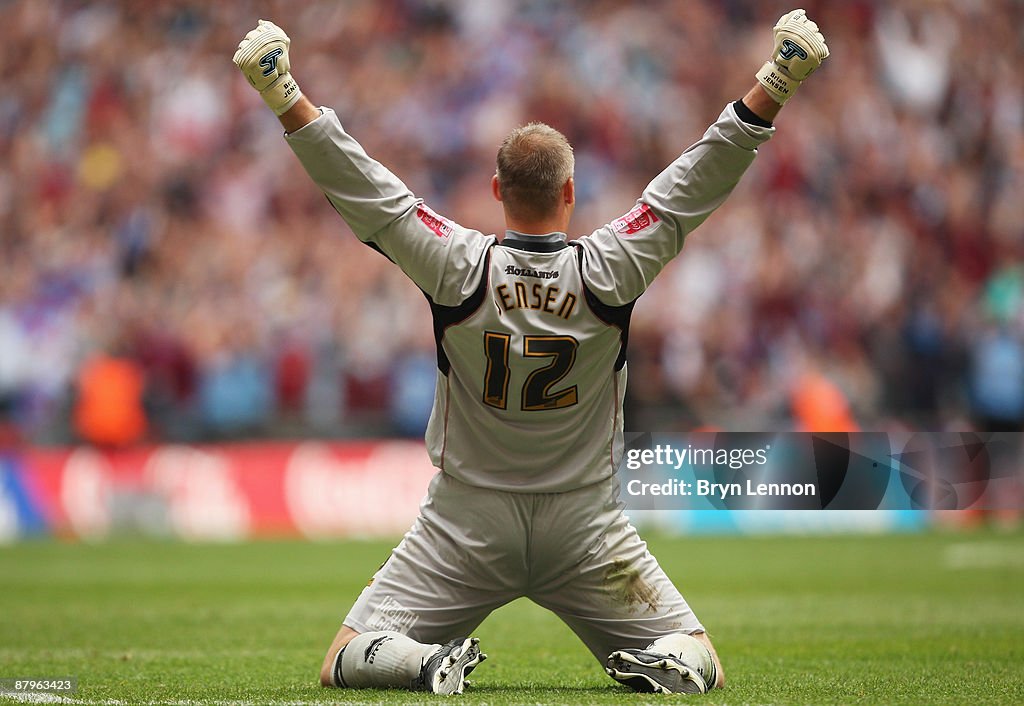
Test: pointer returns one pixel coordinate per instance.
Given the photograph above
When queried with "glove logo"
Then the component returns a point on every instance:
(269, 61)
(788, 50)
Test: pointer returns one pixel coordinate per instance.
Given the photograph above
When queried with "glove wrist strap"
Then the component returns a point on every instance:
(282, 94)
(778, 85)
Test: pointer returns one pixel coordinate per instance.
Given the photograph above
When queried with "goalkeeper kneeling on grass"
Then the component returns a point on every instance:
(526, 430)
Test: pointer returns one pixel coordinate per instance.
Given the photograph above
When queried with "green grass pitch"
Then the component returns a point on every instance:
(929, 618)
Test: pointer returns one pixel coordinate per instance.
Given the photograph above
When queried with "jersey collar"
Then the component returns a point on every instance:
(551, 242)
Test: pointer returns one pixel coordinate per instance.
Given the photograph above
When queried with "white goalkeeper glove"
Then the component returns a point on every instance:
(799, 50)
(263, 58)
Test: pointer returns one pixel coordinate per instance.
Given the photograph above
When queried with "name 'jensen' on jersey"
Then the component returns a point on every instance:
(547, 298)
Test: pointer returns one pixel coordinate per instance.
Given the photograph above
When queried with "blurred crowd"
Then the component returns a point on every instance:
(169, 272)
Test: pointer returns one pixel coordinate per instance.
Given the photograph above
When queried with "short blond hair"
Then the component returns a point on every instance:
(534, 163)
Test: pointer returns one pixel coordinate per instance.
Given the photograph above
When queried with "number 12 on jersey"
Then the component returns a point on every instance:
(537, 394)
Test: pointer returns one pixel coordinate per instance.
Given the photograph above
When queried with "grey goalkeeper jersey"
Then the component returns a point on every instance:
(531, 332)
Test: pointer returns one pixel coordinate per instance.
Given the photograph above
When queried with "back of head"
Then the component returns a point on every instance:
(534, 163)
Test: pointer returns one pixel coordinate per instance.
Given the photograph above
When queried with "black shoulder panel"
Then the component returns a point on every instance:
(617, 316)
(445, 316)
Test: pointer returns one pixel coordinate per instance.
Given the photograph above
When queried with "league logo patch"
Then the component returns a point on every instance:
(639, 219)
(441, 227)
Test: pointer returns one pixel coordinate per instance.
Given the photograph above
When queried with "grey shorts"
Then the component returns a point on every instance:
(473, 550)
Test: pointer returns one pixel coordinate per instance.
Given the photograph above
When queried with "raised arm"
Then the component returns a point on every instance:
(437, 254)
(622, 258)
(299, 115)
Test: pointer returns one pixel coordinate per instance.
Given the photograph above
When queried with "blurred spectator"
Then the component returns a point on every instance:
(412, 395)
(108, 410)
(819, 405)
(997, 380)
(870, 236)
(291, 379)
(235, 393)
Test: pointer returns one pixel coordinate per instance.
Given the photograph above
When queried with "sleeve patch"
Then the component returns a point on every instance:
(440, 226)
(639, 219)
